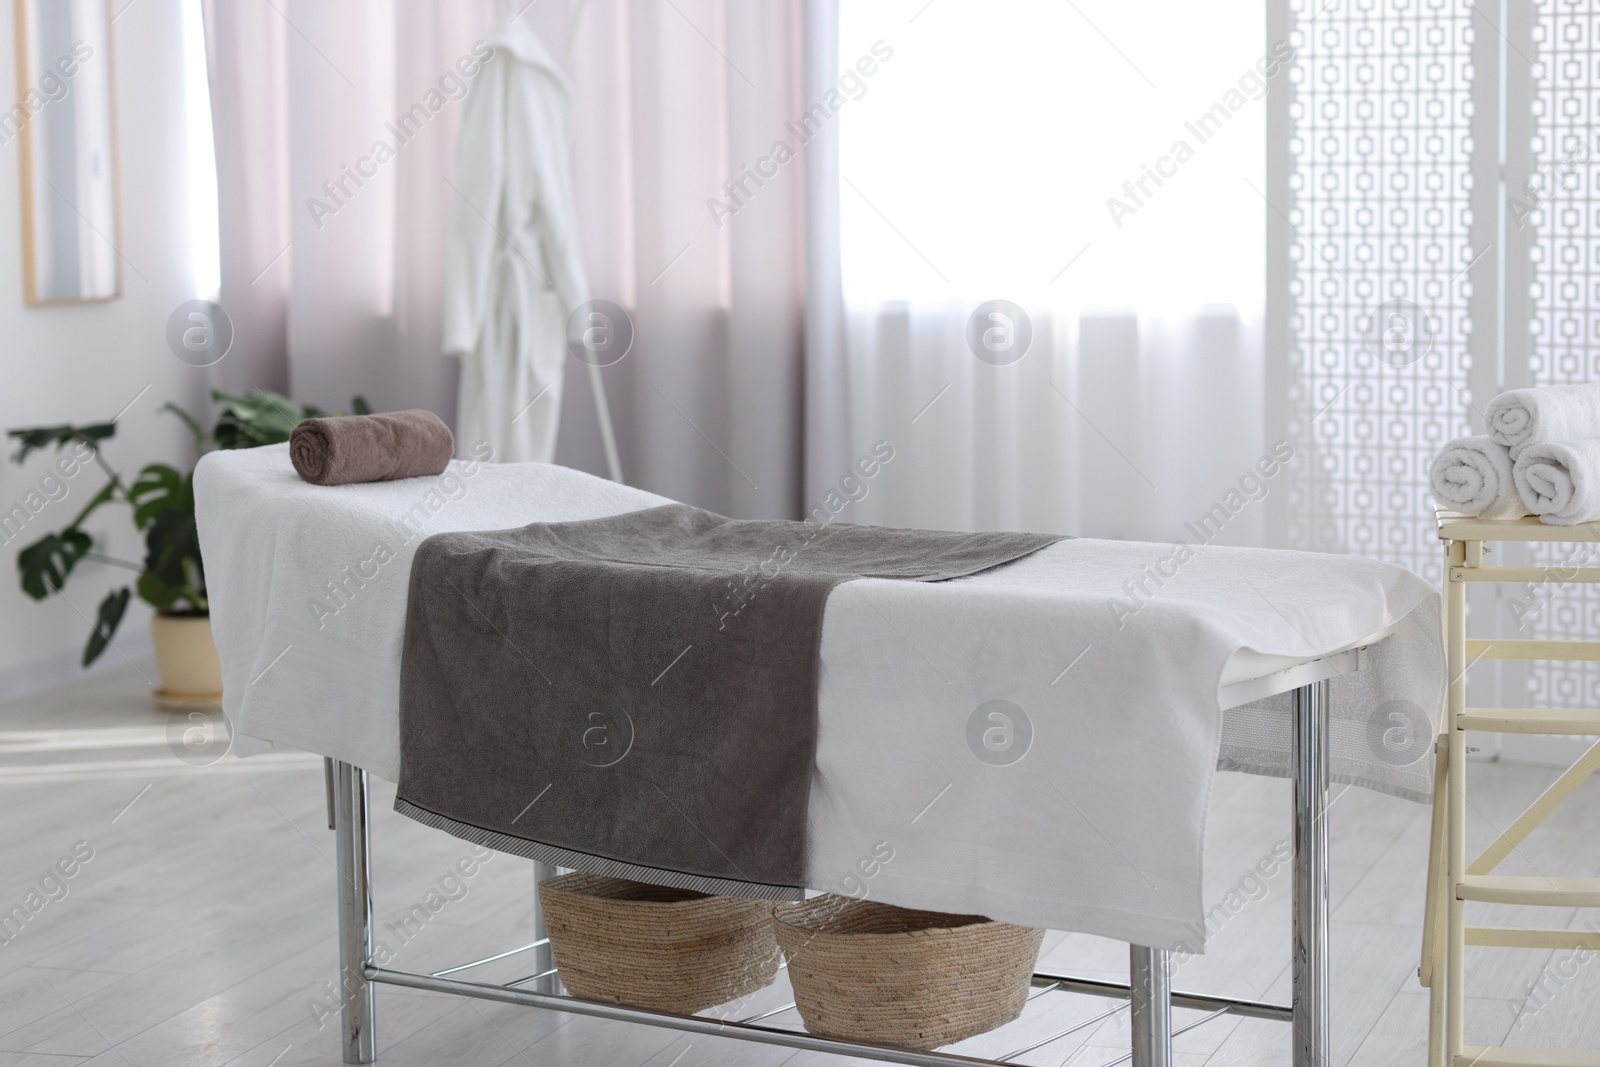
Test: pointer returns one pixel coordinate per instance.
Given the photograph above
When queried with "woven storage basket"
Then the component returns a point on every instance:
(917, 979)
(653, 947)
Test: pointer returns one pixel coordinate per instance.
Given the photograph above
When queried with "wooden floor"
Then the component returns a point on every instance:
(201, 931)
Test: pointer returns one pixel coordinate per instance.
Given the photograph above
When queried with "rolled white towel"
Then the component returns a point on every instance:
(1521, 417)
(1473, 475)
(1559, 482)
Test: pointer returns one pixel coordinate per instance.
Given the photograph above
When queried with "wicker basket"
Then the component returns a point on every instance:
(891, 976)
(653, 947)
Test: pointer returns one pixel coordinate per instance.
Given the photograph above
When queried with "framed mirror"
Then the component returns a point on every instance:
(64, 126)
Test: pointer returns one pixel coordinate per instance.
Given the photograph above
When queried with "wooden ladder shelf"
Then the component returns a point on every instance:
(1454, 878)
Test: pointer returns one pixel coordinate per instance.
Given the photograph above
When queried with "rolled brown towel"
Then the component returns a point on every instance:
(370, 448)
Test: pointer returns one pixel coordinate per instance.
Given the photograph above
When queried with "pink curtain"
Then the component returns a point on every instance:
(332, 248)
(672, 102)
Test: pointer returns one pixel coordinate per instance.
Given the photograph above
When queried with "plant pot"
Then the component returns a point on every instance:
(187, 659)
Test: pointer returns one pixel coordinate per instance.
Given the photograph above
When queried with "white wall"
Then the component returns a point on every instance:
(85, 363)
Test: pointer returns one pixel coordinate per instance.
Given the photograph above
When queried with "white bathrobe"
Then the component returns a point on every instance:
(513, 270)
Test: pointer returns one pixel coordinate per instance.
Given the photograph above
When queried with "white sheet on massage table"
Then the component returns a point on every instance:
(1100, 826)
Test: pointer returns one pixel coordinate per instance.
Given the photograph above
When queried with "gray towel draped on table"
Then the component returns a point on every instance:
(637, 695)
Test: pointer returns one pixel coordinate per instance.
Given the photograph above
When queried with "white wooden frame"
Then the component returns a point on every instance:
(1453, 879)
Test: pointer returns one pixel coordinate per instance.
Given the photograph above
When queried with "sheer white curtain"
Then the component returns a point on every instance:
(1105, 181)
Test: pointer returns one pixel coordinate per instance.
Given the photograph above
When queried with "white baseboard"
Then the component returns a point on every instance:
(55, 670)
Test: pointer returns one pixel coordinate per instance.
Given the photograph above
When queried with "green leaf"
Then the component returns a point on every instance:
(105, 625)
(257, 417)
(156, 593)
(37, 437)
(164, 509)
(359, 406)
(158, 488)
(45, 564)
(173, 551)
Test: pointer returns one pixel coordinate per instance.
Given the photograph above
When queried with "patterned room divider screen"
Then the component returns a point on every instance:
(1433, 187)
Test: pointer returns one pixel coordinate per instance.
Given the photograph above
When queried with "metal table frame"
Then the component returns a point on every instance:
(1149, 993)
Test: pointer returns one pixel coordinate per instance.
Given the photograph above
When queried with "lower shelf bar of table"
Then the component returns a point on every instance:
(1250, 1009)
(692, 1024)
(746, 1031)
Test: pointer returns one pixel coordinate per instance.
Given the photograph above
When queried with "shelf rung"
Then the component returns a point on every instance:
(1531, 720)
(1508, 648)
(1514, 937)
(1530, 889)
(1536, 575)
(1481, 1056)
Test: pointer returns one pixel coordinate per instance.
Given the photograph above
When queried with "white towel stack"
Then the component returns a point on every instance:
(1560, 482)
(1544, 442)
(1473, 475)
(1522, 417)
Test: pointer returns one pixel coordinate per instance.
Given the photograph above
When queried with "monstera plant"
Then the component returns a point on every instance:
(171, 577)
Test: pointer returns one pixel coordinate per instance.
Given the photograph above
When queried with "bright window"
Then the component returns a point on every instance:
(979, 159)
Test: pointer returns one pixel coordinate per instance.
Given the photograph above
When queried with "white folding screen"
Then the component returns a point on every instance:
(1552, 224)
(1433, 238)
(1368, 313)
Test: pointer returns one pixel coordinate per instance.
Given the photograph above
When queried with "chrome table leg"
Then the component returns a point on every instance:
(1150, 997)
(327, 785)
(1311, 1042)
(544, 961)
(353, 863)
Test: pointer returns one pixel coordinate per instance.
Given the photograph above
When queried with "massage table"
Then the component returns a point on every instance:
(308, 588)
